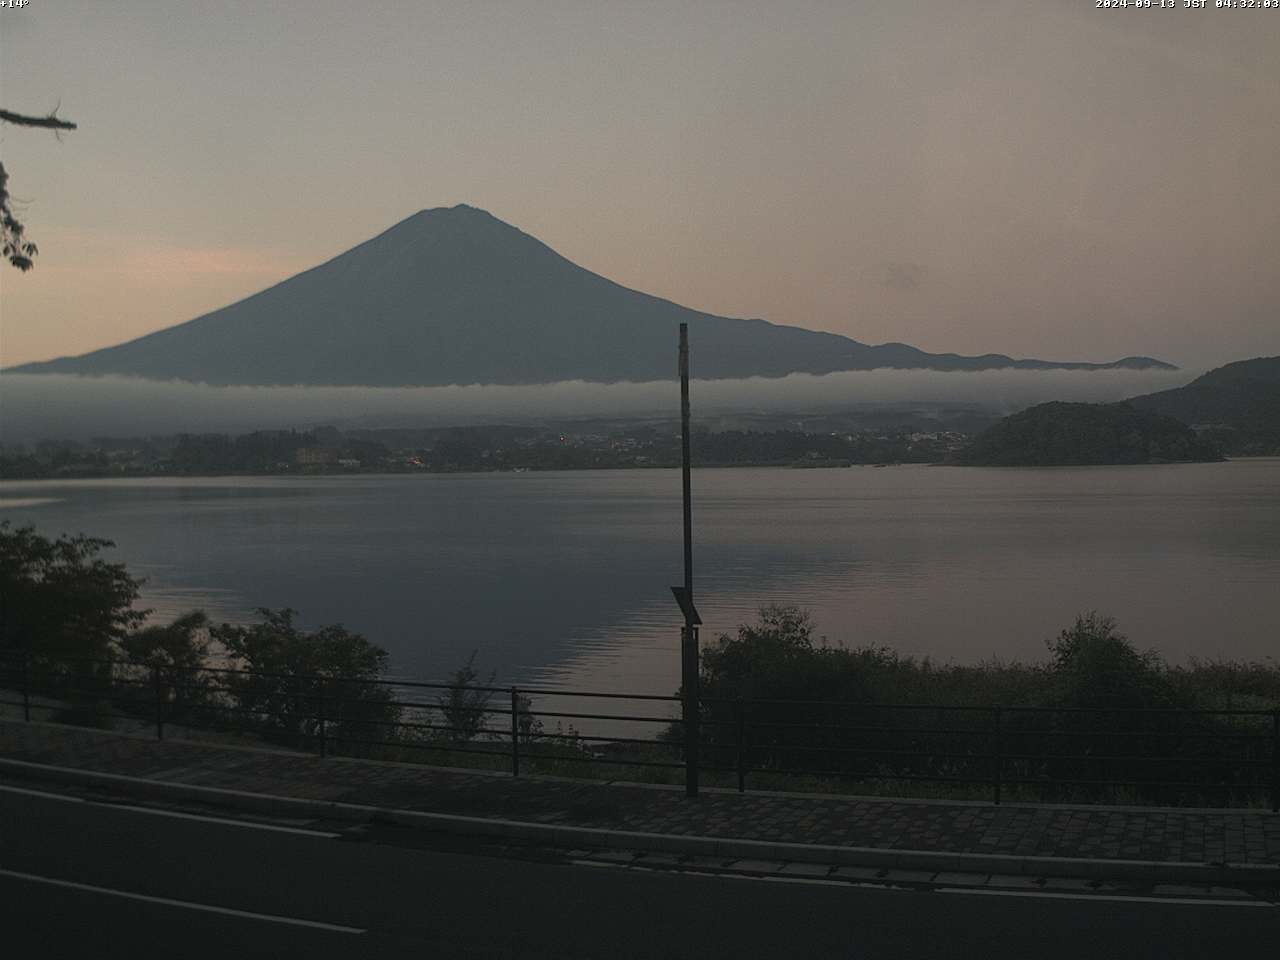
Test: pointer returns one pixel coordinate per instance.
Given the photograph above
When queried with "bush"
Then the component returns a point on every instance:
(1096, 666)
(464, 705)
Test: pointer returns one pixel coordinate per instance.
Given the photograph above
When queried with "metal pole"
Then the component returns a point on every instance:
(689, 636)
(324, 740)
(1275, 762)
(742, 736)
(26, 685)
(515, 733)
(998, 758)
(155, 679)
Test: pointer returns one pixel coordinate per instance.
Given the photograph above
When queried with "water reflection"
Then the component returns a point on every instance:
(563, 578)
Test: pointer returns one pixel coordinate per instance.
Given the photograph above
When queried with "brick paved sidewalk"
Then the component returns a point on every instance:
(1235, 836)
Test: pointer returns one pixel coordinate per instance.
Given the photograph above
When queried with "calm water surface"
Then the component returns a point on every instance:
(563, 578)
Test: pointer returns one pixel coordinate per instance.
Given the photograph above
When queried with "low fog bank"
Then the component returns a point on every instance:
(35, 407)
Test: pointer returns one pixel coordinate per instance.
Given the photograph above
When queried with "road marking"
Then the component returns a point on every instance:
(184, 904)
(1114, 898)
(41, 793)
(888, 886)
(152, 811)
(819, 882)
(730, 875)
(247, 824)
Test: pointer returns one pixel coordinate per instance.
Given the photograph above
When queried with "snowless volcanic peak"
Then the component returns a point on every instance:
(455, 296)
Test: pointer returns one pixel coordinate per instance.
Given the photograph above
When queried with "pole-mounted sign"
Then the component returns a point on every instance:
(686, 606)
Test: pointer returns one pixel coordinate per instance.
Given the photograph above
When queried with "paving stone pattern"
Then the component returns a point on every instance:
(1231, 836)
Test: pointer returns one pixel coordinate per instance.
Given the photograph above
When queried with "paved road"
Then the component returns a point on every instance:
(84, 879)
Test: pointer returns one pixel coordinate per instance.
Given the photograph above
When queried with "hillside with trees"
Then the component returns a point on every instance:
(1236, 406)
(1080, 434)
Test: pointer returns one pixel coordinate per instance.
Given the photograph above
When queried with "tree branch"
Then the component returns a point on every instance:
(14, 245)
(22, 120)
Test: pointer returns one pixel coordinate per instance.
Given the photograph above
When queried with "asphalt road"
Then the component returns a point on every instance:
(84, 879)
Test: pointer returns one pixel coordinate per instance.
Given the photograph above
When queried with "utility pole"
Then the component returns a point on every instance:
(684, 595)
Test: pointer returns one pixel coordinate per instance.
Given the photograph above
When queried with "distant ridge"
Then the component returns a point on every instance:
(455, 296)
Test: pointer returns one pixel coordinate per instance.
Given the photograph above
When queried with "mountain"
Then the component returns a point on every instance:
(454, 295)
(1237, 405)
(1076, 434)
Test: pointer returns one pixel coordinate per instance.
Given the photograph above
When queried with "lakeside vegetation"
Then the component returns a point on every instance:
(795, 708)
(1095, 716)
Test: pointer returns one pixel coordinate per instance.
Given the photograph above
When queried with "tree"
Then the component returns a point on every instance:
(59, 600)
(20, 251)
(62, 609)
(775, 657)
(290, 675)
(175, 655)
(764, 651)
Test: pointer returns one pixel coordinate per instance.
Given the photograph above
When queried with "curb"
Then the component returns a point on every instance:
(594, 837)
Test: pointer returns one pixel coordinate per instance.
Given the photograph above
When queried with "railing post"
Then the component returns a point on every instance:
(26, 685)
(515, 733)
(742, 736)
(998, 758)
(324, 741)
(1275, 762)
(155, 681)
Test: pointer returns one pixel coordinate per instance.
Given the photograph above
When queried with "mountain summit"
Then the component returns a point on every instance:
(456, 296)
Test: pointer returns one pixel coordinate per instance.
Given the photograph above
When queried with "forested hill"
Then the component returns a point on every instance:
(1069, 434)
(1237, 406)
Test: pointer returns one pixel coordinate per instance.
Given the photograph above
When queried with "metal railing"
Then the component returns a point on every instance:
(1180, 756)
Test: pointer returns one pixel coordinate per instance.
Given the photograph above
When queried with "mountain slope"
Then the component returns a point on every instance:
(1238, 405)
(454, 295)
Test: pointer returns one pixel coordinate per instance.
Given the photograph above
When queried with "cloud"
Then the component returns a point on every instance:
(149, 262)
(903, 276)
(68, 407)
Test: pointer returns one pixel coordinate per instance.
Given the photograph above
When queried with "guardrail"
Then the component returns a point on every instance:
(1180, 756)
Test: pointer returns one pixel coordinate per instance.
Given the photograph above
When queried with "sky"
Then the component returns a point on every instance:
(1038, 178)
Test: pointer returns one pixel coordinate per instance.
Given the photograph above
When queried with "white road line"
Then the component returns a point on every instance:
(819, 882)
(889, 886)
(1113, 898)
(246, 824)
(152, 811)
(41, 793)
(183, 904)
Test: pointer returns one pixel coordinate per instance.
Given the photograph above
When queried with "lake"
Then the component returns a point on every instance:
(563, 578)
